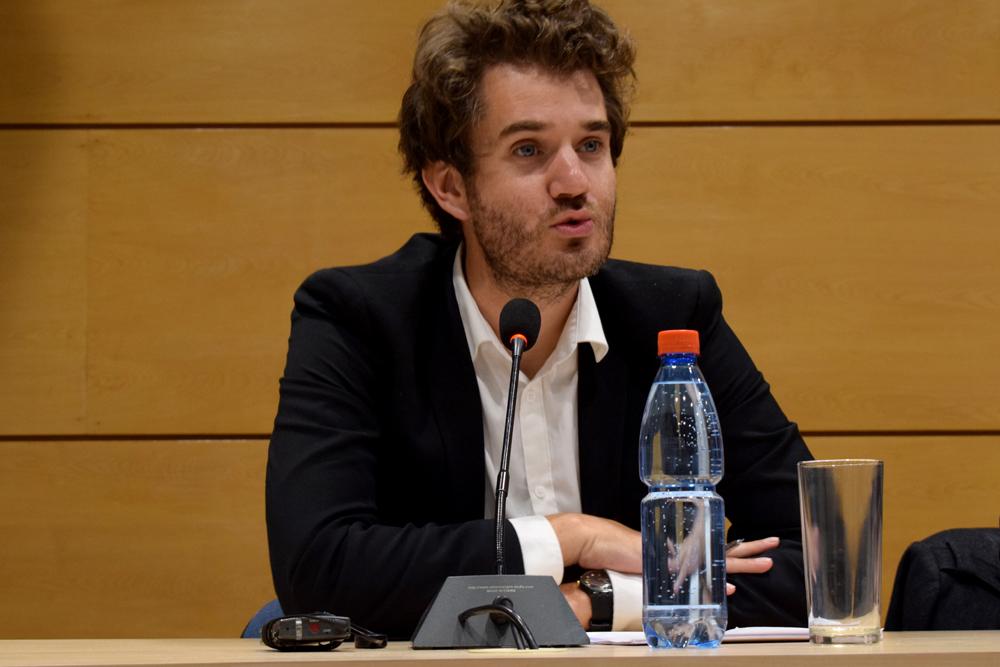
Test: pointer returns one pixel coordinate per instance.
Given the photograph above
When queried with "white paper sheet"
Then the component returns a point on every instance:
(755, 634)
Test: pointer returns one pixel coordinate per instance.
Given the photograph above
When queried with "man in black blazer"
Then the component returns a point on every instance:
(377, 485)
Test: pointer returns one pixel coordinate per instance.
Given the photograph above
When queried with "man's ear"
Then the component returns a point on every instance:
(448, 188)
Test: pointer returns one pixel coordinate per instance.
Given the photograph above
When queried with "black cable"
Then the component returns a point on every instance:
(520, 627)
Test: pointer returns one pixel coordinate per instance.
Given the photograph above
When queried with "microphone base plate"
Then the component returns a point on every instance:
(536, 598)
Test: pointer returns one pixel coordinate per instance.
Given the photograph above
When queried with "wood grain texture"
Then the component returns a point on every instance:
(43, 289)
(192, 62)
(247, 61)
(837, 249)
(897, 649)
(804, 60)
(930, 484)
(132, 539)
(167, 537)
(198, 241)
(858, 264)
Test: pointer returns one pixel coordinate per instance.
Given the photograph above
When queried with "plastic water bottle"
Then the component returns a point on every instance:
(683, 540)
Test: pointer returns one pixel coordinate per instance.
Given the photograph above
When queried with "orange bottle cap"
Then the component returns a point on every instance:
(678, 341)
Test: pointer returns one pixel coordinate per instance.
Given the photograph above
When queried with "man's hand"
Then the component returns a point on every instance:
(594, 543)
(742, 559)
(578, 601)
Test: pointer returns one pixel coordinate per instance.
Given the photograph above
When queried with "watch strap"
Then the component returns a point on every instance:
(597, 585)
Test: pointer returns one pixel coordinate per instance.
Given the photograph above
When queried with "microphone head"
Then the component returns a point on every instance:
(520, 316)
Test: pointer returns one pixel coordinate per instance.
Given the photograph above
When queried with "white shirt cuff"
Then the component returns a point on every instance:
(539, 546)
(627, 591)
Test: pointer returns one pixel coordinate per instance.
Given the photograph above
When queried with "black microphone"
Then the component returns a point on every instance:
(520, 316)
(492, 610)
(520, 322)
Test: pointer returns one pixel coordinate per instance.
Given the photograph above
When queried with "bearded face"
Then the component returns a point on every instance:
(519, 250)
(541, 203)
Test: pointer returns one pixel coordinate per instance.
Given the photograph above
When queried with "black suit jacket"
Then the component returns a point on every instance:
(948, 581)
(376, 475)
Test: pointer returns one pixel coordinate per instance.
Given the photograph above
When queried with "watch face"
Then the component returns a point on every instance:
(596, 581)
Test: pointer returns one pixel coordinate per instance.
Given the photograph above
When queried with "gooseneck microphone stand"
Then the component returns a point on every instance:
(479, 611)
(517, 344)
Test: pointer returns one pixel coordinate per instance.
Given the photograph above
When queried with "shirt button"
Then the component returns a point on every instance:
(540, 491)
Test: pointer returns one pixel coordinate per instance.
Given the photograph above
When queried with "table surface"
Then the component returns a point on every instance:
(909, 649)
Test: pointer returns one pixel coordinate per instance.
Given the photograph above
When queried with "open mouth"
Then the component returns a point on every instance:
(575, 227)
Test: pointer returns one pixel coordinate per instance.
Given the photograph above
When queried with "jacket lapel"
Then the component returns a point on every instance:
(601, 418)
(601, 406)
(457, 408)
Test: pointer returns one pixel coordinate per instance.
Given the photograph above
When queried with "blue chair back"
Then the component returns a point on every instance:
(268, 612)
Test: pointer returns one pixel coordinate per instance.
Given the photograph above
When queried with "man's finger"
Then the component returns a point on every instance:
(753, 548)
(748, 565)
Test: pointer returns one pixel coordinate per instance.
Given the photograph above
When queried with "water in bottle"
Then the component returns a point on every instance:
(683, 540)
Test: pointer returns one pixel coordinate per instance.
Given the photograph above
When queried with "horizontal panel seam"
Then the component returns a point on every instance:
(79, 437)
(392, 125)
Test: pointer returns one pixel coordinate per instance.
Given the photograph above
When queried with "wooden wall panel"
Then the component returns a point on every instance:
(858, 264)
(132, 539)
(930, 484)
(244, 61)
(836, 248)
(802, 60)
(168, 539)
(197, 243)
(43, 289)
(93, 61)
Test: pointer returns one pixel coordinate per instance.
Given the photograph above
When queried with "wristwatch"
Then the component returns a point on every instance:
(597, 585)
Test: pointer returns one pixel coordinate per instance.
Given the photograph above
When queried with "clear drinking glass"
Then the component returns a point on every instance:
(841, 505)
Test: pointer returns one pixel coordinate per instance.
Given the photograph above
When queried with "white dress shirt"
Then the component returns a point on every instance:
(544, 456)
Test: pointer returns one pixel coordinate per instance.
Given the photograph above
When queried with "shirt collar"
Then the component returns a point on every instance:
(583, 324)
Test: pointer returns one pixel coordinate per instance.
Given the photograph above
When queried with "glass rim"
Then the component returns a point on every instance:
(837, 463)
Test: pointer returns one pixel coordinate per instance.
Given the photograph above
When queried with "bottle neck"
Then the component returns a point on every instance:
(679, 359)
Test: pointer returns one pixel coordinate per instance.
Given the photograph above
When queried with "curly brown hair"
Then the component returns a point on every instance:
(460, 42)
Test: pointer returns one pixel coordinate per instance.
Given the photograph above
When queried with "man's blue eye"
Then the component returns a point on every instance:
(591, 146)
(526, 150)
